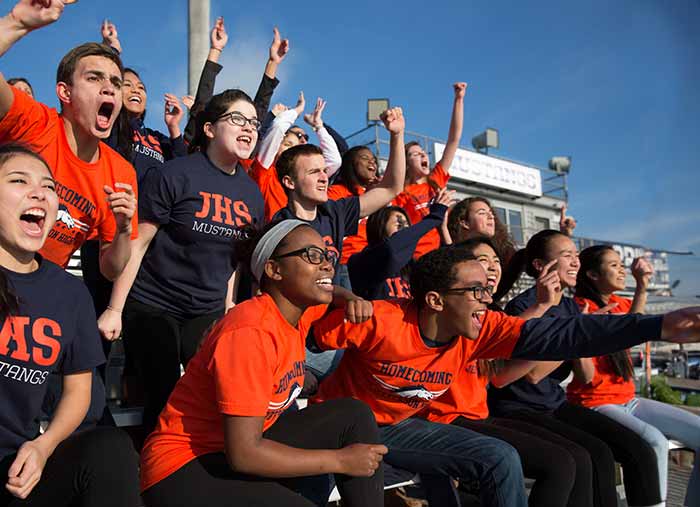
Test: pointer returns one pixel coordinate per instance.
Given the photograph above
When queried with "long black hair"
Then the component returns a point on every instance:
(9, 305)
(591, 259)
(347, 174)
(376, 223)
(521, 260)
(216, 106)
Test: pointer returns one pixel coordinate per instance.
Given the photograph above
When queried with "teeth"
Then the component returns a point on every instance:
(324, 281)
(135, 99)
(36, 212)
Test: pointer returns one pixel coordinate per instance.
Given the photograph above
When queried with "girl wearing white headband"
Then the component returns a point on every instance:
(247, 373)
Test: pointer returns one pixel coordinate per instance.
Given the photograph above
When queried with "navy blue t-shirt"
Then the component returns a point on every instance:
(334, 220)
(55, 330)
(201, 211)
(547, 395)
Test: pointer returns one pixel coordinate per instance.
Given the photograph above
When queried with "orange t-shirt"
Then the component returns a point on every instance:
(251, 364)
(606, 387)
(270, 186)
(356, 243)
(389, 366)
(83, 212)
(466, 397)
(415, 199)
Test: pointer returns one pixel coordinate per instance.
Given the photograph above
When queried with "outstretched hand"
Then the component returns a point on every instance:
(219, 37)
(682, 326)
(393, 120)
(110, 35)
(33, 14)
(173, 111)
(567, 224)
(188, 101)
(314, 119)
(279, 47)
(301, 104)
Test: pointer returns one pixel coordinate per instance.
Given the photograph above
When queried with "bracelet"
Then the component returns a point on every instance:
(110, 307)
(215, 49)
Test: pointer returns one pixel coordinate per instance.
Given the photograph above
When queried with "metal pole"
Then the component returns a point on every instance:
(198, 35)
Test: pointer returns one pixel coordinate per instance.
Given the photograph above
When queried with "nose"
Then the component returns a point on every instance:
(38, 193)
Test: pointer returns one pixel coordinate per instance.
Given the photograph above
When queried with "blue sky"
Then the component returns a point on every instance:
(613, 84)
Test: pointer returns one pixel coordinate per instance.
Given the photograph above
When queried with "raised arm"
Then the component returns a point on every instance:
(642, 272)
(26, 15)
(275, 134)
(110, 36)
(456, 124)
(392, 182)
(331, 154)
(278, 51)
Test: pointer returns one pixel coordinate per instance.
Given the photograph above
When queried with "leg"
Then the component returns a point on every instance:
(424, 447)
(636, 456)
(551, 465)
(192, 332)
(96, 468)
(151, 339)
(332, 425)
(677, 424)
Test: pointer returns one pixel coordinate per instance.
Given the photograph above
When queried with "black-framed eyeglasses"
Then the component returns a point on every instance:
(312, 255)
(300, 135)
(236, 118)
(478, 291)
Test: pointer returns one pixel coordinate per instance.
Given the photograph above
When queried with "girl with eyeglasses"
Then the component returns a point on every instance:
(423, 183)
(47, 325)
(225, 436)
(606, 383)
(181, 277)
(380, 270)
(533, 393)
(409, 352)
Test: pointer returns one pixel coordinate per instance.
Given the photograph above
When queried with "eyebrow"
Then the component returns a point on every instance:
(25, 173)
(116, 80)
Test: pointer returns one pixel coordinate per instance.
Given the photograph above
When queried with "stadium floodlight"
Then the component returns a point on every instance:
(560, 165)
(487, 139)
(375, 107)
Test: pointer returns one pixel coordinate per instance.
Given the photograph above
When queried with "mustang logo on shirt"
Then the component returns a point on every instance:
(67, 219)
(411, 392)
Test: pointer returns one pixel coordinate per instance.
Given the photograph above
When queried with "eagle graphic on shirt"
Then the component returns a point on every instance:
(411, 392)
(64, 217)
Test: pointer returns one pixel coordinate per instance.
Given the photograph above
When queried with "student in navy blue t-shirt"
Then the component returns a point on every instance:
(181, 274)
(536, 396)
(47, 324)
(377, 272)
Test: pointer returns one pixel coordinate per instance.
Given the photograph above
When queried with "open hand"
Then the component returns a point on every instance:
(173, 111)
(33, 14)
(279, 47)
(219, 37)
(314, 119)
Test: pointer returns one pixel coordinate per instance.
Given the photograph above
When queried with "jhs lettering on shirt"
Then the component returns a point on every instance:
(34, 343)
(224, 216)
(398, 287)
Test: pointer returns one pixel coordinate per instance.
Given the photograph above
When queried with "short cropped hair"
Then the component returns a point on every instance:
(286, 163)
(69, 62)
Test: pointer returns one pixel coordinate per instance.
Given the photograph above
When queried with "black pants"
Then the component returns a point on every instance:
(606, 441)
(208, 480)
(156, 342)
(562, 469)
(96, 468)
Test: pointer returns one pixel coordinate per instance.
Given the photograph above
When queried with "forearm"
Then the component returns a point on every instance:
(232, 290)
(403, 243)
(584, 369)
(273, 459)
(584, 335)
(275, 134)
(264, 95)
(541, 370)
(214, 55)
(115, 256)
(70, 412)
(122, 285)
(391, 183)
(331, 154)
(639, 302)
(271, 69)
(10, 32)
(455, 133)
(513, 370)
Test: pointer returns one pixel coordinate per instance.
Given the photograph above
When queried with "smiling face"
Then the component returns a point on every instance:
(461, 312)
(417, 162)
(611, 275)
(310, 178)
(28, 207)
(490, 262)
(304, 284)
(94, 98)
(564, 250)
(365, 166)
(233, 140)
(480, 220)
(134, 94)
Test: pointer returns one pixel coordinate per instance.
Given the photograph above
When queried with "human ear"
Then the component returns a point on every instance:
(434, 301)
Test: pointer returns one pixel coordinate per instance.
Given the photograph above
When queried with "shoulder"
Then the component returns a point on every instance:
(624, 305)
(338, 191)
(521, 302)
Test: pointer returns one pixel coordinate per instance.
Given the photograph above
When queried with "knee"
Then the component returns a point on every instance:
(357, 415)
(582, 460)
(112, 443)
(503, 459)
(563, 467)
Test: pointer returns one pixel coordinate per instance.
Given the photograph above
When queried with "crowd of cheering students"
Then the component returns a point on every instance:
(252, 255)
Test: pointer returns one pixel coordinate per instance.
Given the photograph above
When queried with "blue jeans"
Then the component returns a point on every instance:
(437, 451)
(654, 421)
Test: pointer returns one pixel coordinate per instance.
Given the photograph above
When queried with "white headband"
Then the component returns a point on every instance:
(268, 243)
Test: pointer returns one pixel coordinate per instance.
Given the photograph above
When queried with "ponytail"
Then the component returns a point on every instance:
(511, 273)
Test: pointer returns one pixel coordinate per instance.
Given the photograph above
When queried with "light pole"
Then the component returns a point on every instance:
(198, 41)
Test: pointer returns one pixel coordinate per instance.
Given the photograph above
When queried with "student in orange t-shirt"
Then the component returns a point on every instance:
(96, 187)
(422, 184)
(561, 468)
(281, 136)
(408, 353)
(606, 383)
(225, 434)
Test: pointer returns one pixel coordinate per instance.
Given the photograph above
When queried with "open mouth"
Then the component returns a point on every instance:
(478, 318)
(32, 221)
(491, 281)
(104, 115)
(135, 99)
(572, 273)
(247, 140)
(325, 284)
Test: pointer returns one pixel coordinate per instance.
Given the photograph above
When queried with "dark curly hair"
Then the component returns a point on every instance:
(346, 174)
(435, 271)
